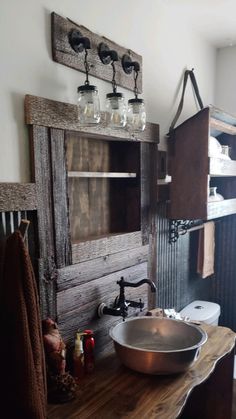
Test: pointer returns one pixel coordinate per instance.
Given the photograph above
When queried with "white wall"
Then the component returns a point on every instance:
(225, 90)
(151, 28)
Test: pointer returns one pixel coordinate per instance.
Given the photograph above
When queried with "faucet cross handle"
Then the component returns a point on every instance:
(141, 305)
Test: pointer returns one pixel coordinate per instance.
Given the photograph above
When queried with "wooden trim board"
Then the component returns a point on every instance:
(54, 114)
(221, 208)
(221, 167)
(118, 175)
(18, 197)
(78, 274)
(104, 246)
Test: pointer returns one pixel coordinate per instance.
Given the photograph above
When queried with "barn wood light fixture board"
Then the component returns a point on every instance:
(63, 53)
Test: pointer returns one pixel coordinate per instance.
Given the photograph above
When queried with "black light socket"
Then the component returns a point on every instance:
(129, 65)
(106, 54)
(78, 42)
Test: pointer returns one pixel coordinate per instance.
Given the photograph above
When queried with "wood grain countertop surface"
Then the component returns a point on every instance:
(114, 391)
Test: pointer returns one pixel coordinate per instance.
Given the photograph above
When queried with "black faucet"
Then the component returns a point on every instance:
(124, 283)
(121, 305)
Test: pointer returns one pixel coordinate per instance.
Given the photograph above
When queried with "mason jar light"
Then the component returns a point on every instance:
(88, 99)
(116, 110)
(88, 105)
(136, 116)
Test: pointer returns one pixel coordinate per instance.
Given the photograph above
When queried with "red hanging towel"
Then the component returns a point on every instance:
(23, 387)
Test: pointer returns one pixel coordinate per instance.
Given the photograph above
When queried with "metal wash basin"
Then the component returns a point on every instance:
(155, 345)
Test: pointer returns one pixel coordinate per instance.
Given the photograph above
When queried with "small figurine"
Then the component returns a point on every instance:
(61, 385)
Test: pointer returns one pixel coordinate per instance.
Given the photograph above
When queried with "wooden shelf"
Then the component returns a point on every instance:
(191, 167)
(101, 175)
(104, 187)
(222, 126)
(221, 122)
(221, 208)
(221, 167)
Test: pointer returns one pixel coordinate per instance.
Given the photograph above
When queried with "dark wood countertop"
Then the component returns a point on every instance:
(114, 391)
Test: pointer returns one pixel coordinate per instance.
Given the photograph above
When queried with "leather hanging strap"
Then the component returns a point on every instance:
(188, 73)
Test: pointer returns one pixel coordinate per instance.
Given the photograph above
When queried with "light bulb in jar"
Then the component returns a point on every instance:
(136, 115)
(116, 112)
(88, 105)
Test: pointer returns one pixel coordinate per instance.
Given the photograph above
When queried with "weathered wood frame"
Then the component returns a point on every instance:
(68, 271)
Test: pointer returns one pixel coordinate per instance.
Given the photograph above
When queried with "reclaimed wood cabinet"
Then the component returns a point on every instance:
(96, 193)
(104, 187)
(193, 171)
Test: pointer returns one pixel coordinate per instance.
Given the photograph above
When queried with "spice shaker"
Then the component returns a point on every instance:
(88, 344)
(78, 358)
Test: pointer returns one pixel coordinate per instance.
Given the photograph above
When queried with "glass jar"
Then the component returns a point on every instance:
(214, 196)
(136, 116)
(88, 105)
(116, 111)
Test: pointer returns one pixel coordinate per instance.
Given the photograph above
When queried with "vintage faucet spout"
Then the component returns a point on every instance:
(124, 283)
(121, 305)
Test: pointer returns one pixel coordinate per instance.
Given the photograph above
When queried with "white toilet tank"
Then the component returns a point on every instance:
(203, 311)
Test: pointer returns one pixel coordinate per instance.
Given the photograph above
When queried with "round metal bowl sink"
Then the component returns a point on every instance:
(155, 345)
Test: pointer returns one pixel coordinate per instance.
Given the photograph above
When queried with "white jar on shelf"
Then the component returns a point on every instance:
(214, 196)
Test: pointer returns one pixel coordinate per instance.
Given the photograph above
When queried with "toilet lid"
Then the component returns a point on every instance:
(204, 311)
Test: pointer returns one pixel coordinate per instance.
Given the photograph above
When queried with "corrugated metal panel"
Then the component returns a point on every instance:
(224, 286)
(177, 281)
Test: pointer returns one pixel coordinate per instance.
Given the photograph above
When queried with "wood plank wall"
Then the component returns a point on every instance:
(178, 284)
(177, 281)
(77, 306)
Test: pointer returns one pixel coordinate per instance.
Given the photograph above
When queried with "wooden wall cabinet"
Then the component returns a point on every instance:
(97, 198)
(191, 168)
(104, 187)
